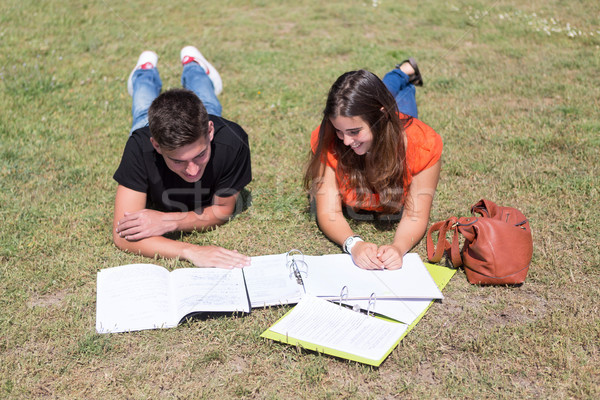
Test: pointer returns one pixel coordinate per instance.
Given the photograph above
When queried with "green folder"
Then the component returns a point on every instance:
(440, 274)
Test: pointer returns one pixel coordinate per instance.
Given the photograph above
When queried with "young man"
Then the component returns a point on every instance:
(183, 166)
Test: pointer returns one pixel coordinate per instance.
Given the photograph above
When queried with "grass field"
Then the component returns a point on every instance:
(513, 87)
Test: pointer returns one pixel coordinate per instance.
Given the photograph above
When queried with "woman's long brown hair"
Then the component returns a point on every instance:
(382, 170)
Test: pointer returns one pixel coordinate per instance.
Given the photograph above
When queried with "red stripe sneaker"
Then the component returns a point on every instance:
(191, 54)
(147, 60)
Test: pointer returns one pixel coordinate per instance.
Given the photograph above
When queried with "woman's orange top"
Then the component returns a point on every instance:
(423, 150)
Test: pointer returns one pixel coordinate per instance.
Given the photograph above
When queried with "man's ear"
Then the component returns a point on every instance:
(211, 131)
(155, 145)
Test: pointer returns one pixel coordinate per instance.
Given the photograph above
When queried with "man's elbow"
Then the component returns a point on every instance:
(119, 242)
(219, 220)
(222, 214)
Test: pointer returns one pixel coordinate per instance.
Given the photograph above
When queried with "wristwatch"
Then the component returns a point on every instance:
(350, 242)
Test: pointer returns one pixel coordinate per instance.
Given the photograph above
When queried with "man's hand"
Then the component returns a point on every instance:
(145, 223)
(214, 256)
(390, 256)
(364, 255)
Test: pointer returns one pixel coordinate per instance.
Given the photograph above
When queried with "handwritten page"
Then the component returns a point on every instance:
(131, 298)
(270, 282)
(146, 296)
(207, 290)
(329, 325)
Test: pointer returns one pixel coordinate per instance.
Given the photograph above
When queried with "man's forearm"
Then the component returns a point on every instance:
(200, 256)
(210, 217)
(153, 246)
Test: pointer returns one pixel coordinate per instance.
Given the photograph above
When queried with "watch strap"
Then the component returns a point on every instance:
(350, 242)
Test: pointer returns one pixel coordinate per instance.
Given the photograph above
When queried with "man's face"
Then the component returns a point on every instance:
(188, 161)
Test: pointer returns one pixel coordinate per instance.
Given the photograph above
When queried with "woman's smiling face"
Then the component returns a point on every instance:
(354, 132)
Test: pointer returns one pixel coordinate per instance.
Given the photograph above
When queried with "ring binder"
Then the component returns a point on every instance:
(320, 325)
(295, 270)
(285, 278)
(323, 326)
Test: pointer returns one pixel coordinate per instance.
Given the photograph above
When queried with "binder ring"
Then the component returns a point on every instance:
(343, 294)
(292, 264)
(291, 255)
(371, 306)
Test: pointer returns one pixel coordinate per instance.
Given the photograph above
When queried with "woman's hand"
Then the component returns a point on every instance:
(390, 256)
(364, 255)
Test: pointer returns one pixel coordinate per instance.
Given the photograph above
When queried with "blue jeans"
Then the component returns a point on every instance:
(403, 91)
(147, 86)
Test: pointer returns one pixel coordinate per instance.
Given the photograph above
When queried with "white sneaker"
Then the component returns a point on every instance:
(190, 53)
(147, 60)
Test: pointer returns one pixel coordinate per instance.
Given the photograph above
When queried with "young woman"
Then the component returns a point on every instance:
(372, 153)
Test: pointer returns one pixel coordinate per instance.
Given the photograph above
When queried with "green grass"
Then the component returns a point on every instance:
(512, 87)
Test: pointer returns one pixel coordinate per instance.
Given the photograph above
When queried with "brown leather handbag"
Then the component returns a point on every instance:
(497, 248)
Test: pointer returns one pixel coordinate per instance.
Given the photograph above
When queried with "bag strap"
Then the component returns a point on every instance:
(455, 255)
(436, 254)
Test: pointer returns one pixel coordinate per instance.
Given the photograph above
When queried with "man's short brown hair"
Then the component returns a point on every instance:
(177, 118)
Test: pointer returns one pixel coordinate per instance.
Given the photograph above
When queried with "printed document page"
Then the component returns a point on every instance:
(329, 325)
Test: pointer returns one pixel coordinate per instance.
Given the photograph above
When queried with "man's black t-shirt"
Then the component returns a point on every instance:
(144, 170)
